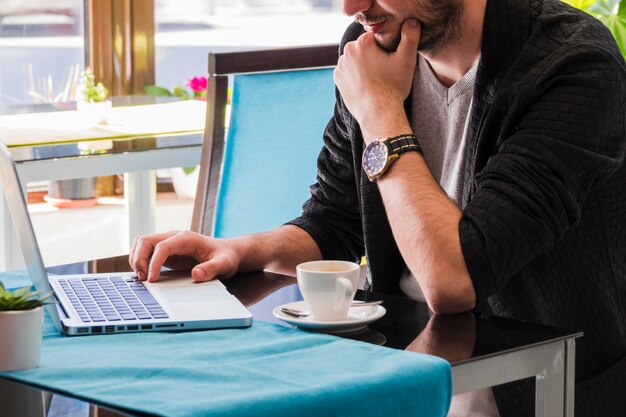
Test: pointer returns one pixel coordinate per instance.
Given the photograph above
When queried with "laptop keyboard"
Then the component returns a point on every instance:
(111, 299)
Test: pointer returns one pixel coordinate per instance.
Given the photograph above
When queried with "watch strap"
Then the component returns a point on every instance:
(403, 143)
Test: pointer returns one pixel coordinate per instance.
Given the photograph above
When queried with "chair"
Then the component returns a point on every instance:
(257, 177)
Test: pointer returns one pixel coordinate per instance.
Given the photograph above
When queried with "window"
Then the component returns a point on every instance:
(187, 31)
(41, 51)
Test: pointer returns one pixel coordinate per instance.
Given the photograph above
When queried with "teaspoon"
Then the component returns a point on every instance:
(303, 313)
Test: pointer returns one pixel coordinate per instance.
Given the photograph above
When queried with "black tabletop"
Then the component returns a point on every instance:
(408, 324)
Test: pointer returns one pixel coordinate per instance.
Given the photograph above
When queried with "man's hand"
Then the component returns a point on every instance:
(183, 250)
(374, 83)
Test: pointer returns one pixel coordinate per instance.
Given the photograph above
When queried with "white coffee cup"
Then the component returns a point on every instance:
(328, 287)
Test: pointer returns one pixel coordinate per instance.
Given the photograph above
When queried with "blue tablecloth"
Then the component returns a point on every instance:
(15, 279)
(264, 370)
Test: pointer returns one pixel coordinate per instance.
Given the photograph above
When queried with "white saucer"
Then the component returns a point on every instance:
(358, 318)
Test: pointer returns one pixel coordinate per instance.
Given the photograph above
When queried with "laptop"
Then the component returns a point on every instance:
(90, 304)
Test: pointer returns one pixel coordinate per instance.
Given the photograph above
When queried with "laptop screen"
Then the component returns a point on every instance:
(23, 227)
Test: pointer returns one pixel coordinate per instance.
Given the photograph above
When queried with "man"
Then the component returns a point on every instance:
(510, 199)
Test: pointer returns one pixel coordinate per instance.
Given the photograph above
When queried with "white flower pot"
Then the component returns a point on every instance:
(21, 333)
(185, 184)
(94, 113)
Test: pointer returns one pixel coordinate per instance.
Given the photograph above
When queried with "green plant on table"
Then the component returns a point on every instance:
(158, 91)
(22, 299)
(610, 12)
(90, 91)
(197, 85)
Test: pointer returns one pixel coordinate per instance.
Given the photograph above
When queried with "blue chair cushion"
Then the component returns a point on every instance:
(275, 134)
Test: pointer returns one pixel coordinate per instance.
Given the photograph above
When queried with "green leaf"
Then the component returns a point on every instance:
(610, 12)
(22, 299)
(617, 26)
(604, 8)
(613, 14)
(21, 292)
(188, 170)
(580, 4)
(179, 91)
(156, 91)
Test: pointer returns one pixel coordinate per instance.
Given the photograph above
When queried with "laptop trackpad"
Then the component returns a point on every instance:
(177, 287)
(185, 299)
(202, 293)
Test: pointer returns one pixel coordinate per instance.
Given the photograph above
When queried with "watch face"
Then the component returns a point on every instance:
(375, 158)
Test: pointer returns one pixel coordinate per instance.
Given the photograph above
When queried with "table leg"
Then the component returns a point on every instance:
(6, 247)
(552, 365)
(570, 376)
(550, 390)
(140, 195)
(21, 400)
(10, 255)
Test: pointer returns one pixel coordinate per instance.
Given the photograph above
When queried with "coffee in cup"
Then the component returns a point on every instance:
(328, 287)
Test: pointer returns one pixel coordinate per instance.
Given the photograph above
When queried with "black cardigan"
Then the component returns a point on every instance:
(543, 231)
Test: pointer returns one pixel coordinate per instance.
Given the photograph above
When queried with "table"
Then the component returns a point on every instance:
(484, 351)
(137, 156)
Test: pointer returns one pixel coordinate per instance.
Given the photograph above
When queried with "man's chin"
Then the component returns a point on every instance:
(387, 42)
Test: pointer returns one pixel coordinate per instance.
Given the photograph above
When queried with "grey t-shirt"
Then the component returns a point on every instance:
(439, 119)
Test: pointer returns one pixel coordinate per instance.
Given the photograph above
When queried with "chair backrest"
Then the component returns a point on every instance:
(257, 177)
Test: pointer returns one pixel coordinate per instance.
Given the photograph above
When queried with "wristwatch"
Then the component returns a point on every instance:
(381, 153)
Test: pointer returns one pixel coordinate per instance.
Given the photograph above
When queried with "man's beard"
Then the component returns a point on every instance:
(444, 26)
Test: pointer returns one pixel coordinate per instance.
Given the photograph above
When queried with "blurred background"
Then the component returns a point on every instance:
(45, 44)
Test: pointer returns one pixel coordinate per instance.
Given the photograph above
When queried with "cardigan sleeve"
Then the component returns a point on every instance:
(332, 215)
(565, 143)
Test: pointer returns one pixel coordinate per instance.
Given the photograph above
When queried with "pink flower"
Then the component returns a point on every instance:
(197, 84)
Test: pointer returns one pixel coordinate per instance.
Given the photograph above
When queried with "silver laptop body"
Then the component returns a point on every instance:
(118, 302)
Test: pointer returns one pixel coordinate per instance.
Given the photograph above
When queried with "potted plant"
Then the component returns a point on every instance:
(94, 108)
(91, 98)
(21, 328)
(184, 179)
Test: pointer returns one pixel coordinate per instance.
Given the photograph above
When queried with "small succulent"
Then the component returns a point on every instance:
(22, 299)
